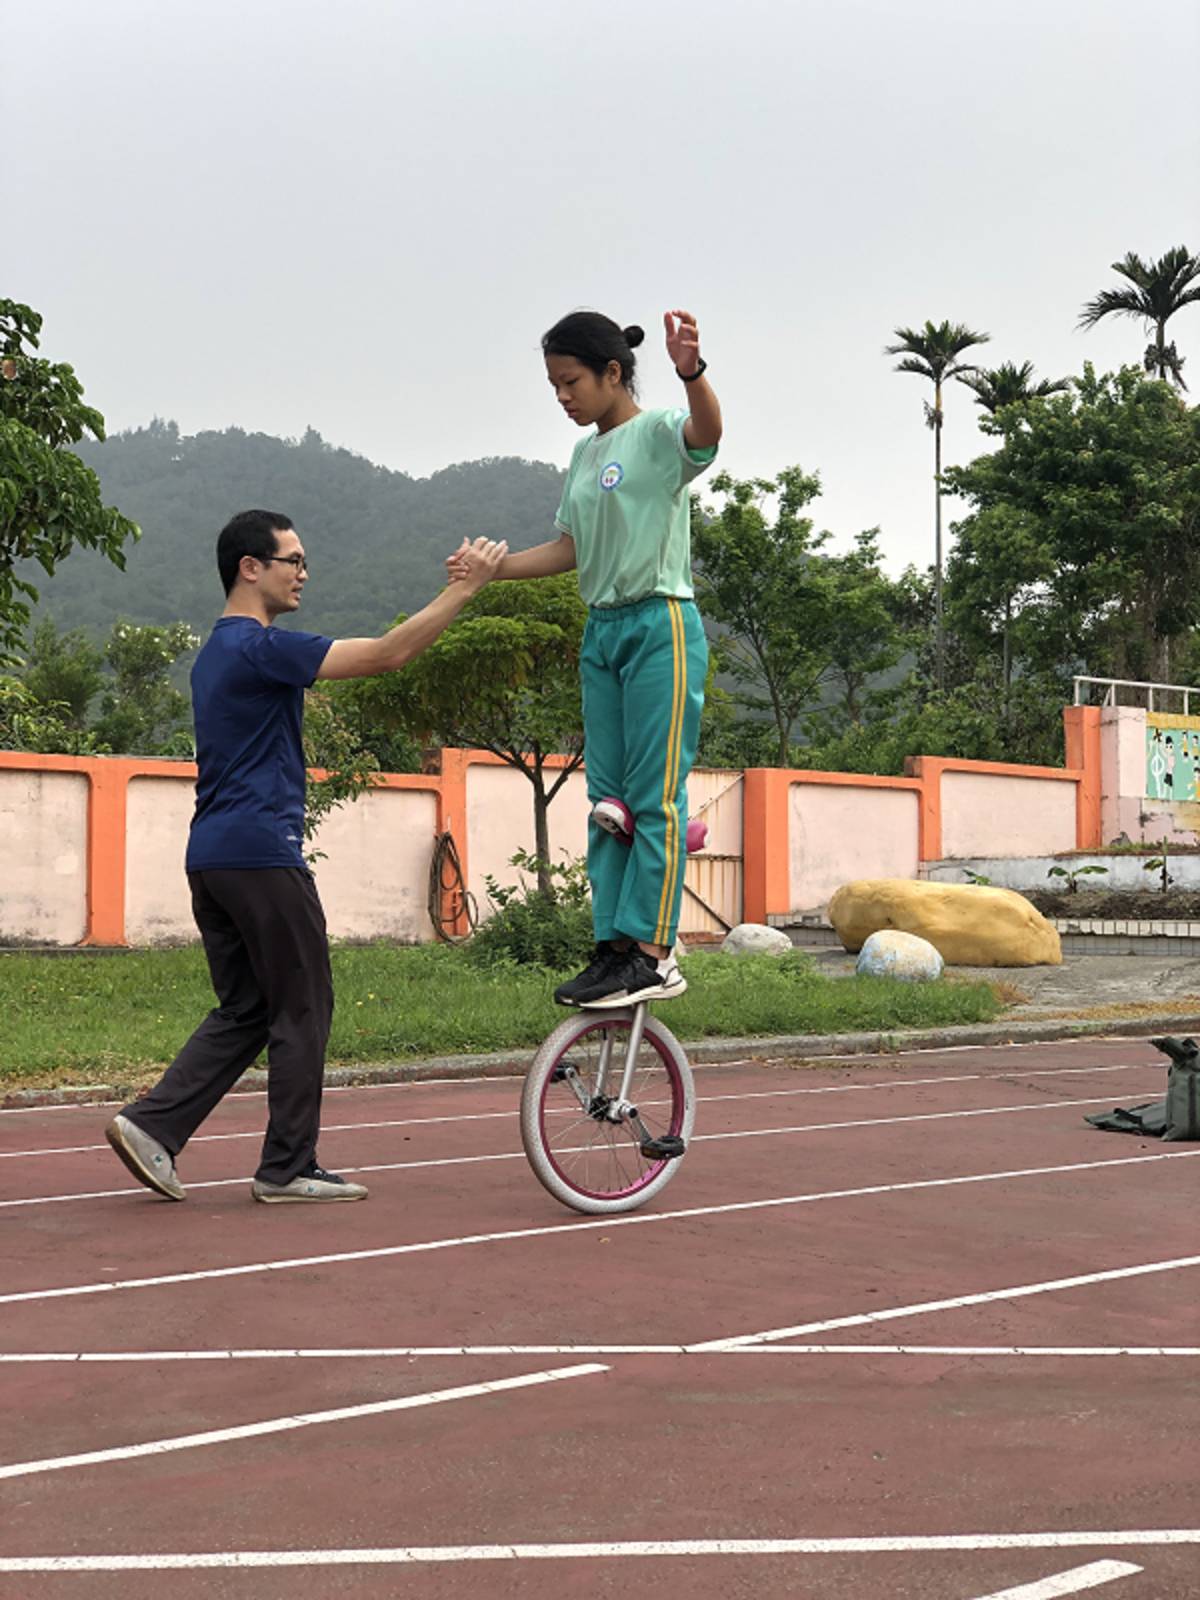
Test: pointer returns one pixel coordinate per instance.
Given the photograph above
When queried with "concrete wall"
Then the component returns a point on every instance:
(839, 832)
(43, 847)
(372, 873)
(94, 847)
(500, 823)
(997, 814)
(1033, 872)
(158, 907)
(374, 880)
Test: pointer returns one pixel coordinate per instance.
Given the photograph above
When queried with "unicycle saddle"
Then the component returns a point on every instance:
(615, 817)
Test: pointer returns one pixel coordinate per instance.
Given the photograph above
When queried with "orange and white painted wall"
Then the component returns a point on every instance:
(92, 847)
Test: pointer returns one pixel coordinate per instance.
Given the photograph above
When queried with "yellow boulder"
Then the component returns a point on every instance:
(972, 926)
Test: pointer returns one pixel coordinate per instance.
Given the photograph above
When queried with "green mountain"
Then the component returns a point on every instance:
(376, 539)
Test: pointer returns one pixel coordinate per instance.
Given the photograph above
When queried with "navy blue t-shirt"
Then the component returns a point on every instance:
(248, 686)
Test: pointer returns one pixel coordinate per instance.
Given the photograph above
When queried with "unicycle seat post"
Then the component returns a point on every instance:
(633, 1044)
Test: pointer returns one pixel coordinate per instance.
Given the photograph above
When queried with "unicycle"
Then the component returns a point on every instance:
(608, 1104)
(607, 1110)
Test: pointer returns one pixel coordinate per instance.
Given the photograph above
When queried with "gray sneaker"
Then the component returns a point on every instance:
(149, 1162)
(312, 1186)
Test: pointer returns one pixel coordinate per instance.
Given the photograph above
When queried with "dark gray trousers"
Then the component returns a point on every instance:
(268, 955)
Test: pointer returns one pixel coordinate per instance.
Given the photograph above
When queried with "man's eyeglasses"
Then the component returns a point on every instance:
(299, 562)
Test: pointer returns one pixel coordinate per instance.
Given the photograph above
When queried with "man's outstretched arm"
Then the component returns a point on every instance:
(365, 658)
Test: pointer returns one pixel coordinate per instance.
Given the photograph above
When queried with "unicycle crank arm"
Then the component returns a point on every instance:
(660, 1147)
(567, 1072)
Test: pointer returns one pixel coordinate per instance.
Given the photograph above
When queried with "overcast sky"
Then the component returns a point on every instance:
(361, 216)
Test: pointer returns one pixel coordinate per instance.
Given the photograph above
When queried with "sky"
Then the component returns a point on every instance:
(360, 217)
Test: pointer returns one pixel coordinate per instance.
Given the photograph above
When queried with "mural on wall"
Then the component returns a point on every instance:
(1172, 756)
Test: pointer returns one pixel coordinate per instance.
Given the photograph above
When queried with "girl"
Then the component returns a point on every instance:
(624, 524)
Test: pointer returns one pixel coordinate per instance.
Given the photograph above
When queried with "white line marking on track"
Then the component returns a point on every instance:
(411, 1554)
(228, 1183)
(636, 1219)
(366, 1352)
(236, 1094)
(1079, 1578)
(517, 1155)
(413, 1351)
(924, 1308)
(253, 1430)
(1089, 1040)
(505, 1116)
(1064, 1351)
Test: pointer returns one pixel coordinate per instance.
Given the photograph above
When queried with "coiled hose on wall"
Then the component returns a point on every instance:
(450, 901)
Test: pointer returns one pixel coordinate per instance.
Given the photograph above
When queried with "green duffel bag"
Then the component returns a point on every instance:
(1150, 1119)
(1176, 1117)
(1183, 1088)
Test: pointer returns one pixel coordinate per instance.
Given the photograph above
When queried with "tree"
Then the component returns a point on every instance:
(1094, 497)
(27, 723)
(141, 712)
(863, 635)
(49, 501)
(503, 678)
(1157, 290)
(1008, 385)
(64, 671)
(933, 352)
(795, 624)
(998, 573)
(757, 579)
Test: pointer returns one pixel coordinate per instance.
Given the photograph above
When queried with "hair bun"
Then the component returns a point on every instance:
(633, 336)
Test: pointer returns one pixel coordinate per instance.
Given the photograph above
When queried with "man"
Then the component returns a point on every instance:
(253, 898)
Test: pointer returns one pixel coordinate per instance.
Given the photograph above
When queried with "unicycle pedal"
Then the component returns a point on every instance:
(667, 1148)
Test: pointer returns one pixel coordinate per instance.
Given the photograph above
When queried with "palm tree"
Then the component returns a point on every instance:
(1009, 384)
(933, 352)
(1158, 290)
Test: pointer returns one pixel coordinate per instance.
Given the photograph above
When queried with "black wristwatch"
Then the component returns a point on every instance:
(691, 377)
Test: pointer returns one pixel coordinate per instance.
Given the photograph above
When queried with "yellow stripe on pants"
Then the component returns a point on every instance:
(671, 772)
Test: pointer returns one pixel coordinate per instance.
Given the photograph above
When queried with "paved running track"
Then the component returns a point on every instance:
(902, 1327)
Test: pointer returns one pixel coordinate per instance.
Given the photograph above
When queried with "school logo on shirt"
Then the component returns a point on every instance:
(611, 475)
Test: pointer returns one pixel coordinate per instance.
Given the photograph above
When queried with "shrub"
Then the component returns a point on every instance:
(534, 929)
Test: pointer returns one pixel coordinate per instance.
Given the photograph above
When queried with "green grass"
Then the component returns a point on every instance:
(119, 1018)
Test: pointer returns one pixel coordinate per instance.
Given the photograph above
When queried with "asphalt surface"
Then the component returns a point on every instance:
(902, 1327)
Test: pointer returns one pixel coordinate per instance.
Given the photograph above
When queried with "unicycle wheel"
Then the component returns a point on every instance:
(587, 1151)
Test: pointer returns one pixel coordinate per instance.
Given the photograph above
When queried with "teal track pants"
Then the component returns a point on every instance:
(643, 668)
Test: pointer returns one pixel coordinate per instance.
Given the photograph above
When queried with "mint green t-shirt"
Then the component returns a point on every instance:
(625, 504)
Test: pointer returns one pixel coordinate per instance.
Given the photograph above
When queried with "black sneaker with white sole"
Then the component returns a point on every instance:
(567, 994)
(632, 977)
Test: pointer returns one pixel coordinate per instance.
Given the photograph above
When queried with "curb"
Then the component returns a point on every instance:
(799, 1047)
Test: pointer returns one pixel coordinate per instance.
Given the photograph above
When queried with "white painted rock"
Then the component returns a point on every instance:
(892, 954)
(753, 939)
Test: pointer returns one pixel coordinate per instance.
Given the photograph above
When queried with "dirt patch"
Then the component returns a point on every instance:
(1133, 905)
(1008, 994)
(1130, 1010)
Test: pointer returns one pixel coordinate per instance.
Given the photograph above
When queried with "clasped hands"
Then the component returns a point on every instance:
(476, 561)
